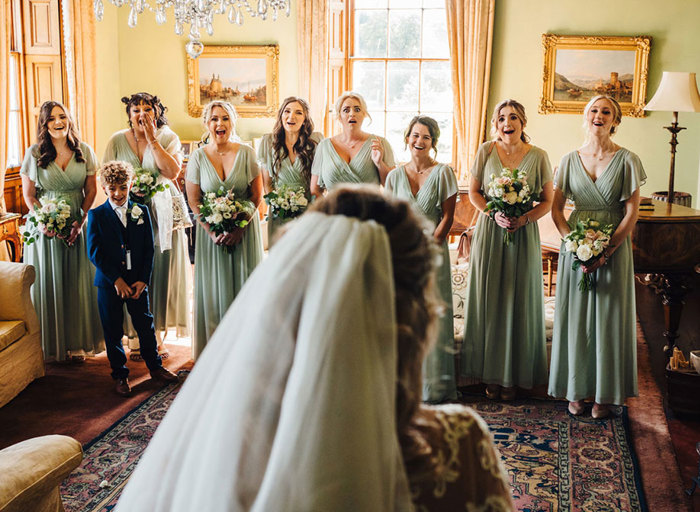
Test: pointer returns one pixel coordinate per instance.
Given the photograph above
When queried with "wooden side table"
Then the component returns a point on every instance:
(9, 231)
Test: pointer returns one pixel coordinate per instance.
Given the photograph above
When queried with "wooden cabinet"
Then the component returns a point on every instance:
(9, 231)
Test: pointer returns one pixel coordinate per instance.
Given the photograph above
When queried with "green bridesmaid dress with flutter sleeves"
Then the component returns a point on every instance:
(594, 345)
(332, 170)
(284, 173)
(504, 335)
(439, 382)
(218, 274)
(172, 275)
(63, 293)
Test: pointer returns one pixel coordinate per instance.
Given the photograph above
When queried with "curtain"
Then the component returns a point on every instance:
(312, 21)
(470, 34)
(5, 34)
(84, 67)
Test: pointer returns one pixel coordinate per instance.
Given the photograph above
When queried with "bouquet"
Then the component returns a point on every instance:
(287, 202)
(145, 185)
(509, 194)
(587, 242)
(53, 217)
(224, 213)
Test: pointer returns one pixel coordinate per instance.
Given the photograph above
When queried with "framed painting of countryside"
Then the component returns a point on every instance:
(246, 76)
(576, 68)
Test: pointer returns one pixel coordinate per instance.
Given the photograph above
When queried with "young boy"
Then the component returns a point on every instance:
(120, 245)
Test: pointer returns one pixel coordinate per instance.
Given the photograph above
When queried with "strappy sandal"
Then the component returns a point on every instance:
(493, 391)
(135, 355)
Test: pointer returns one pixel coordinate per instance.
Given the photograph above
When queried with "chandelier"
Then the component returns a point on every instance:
(198, 14)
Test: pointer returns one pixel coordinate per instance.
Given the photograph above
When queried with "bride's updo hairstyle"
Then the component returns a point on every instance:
(413, 256)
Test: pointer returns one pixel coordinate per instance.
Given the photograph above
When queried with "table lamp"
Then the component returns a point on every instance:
(677, 92)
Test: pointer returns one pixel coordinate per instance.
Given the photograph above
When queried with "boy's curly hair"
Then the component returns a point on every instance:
(115, 173)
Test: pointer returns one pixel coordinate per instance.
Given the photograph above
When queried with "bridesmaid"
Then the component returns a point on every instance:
(60, 165)
(352, 156)
(594, 343)
(149, 143)
(432, 188)
(286, 154)
(219, 275)
(504, 338)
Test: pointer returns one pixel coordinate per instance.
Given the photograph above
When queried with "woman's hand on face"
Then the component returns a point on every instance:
(76, 228)
(148, 123)
(377, 153)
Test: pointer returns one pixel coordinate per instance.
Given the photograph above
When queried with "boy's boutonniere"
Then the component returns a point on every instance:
(136, 214)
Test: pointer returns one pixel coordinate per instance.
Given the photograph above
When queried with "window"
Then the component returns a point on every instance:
(15, 139)
(398, 59)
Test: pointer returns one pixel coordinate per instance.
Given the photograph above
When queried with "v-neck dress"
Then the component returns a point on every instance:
(288, 174)
(172, 275)
(439, 382)
(504, 336)
(63, 292)
(219, 275)
(332, 170)
(594, 347)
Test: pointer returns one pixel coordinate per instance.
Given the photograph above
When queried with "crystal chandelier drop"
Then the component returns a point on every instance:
(197, 14)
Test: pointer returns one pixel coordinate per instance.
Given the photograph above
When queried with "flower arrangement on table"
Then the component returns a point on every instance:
(52, 219)
(286, 202)
(224, 213)
(509, 193)
(145, 185)
(587, 242)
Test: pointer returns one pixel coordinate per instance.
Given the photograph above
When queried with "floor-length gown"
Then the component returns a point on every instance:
(439, 381)
(285, 173)
(594, 348)
(219, 275)
(332, 170)
(63, 292)
(504, 335)
(172, 275)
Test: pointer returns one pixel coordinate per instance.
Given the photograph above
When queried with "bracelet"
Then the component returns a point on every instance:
(527, 219)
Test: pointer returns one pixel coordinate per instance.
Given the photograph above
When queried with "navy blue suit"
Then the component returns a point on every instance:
(108, 242)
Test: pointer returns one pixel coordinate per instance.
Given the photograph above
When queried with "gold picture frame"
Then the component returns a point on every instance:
(576, 68)
(247, 76)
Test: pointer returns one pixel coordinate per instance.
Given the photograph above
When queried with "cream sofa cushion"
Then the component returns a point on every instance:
(10, 331)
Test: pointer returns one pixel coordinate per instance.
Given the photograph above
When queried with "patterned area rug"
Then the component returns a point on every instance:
(556, 462)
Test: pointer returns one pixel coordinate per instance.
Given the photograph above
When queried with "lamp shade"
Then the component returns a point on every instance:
(677, 92)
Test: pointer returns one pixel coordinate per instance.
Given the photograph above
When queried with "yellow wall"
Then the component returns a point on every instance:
(152, 58)
(517, 73)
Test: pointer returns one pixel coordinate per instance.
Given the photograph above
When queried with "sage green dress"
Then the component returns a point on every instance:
(287, 173)
(63, 293)
(504, 336)
(439, 382)
(172, 275)
(594, 347)
(220, 275)
(331, 169)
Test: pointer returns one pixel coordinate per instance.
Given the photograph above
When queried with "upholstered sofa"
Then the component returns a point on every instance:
(33, 470)
(21, 358)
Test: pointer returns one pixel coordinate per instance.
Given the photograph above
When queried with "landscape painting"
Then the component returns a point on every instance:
(246, 76)
(578, 68)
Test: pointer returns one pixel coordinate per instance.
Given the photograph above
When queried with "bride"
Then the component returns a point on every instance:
(307, 397)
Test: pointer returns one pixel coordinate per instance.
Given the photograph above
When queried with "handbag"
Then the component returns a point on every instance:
(181, 214)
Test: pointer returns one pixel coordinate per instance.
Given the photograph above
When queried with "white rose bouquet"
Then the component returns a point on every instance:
(52, 219)
(509, 193)
(224, 213)
(286, 202)
(587, 242)
(145, 185)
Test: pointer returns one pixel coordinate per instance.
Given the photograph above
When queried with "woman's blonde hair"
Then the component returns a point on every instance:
(519, 111)
(354, 95)
(617, 112)
(230, 110)
(413, 256)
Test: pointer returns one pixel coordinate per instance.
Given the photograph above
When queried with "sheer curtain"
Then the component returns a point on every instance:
(312, 28)
(5, 31)
(470, 33)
